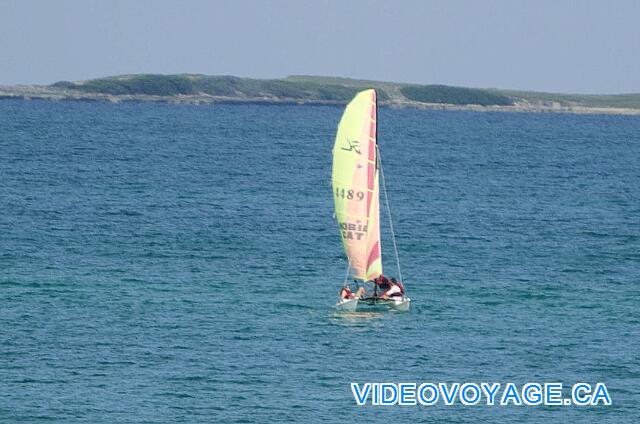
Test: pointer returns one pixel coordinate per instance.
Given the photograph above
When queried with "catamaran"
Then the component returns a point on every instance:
(355, 181)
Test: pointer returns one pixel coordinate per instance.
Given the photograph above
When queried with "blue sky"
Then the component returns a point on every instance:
(563, 46)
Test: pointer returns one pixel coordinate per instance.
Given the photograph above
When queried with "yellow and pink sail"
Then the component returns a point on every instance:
(355, 185)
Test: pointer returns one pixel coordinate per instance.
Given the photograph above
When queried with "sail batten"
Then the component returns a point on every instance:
(355, 186)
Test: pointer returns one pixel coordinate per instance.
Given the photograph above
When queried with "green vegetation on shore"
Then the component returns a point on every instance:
(454, 95)
(194, 88)
(222, 86)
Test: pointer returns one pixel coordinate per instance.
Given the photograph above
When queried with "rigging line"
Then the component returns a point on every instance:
(346, 276)
(386, 199)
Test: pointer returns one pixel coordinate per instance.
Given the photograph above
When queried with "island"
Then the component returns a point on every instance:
(204, 89)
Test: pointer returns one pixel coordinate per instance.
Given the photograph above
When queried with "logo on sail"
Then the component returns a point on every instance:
(353, 145)
(352, 231)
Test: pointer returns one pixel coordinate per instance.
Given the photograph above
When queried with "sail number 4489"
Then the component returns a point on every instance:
(349, 194)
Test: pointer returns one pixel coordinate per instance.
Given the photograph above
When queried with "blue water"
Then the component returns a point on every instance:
(165, 264)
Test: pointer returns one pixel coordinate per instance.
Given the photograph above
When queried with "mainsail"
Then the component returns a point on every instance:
(355, 186)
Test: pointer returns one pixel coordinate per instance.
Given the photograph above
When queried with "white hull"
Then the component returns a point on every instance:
(402, 304)
(347, 305)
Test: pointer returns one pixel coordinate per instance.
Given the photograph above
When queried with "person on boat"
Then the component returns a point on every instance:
(381, 282)
(391, 288)
(399, 284)
(346, 293)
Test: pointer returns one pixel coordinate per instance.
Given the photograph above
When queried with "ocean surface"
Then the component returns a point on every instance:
(179, 264)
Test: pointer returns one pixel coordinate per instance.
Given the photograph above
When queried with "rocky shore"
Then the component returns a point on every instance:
(52, 93)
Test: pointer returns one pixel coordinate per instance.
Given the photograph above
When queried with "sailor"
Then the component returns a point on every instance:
(399, 284)
(391, 288)
(381, 283)
(346, 293)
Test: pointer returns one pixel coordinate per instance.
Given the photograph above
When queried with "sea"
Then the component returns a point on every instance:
(180, 263)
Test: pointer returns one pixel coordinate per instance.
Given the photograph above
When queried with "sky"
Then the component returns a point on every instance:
(580, 46)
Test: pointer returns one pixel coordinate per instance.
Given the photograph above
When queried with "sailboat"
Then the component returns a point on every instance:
(356, 191)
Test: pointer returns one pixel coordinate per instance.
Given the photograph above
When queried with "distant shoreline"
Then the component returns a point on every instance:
(199, 89)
